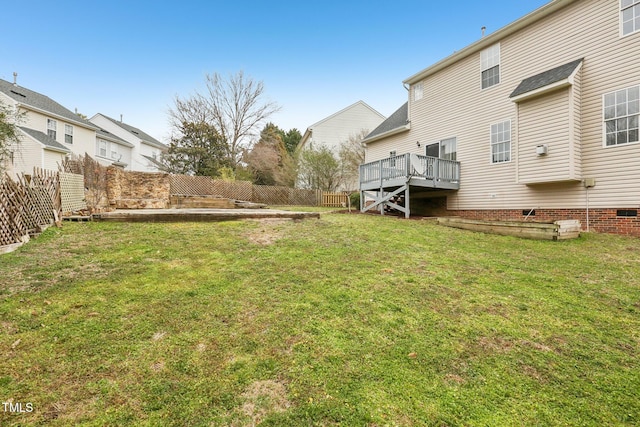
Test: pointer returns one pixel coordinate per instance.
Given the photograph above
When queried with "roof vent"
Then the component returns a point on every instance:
(483, 29)
(15, 78)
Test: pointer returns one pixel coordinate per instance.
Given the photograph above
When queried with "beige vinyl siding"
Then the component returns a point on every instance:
(380, 149)
(545, 121)
(575, 136)
(28, 156)
(51, 159)
(455, 105)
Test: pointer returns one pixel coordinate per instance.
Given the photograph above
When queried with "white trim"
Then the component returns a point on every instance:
(621, 33)
(604, 121)
(491, 162)
(499, 65)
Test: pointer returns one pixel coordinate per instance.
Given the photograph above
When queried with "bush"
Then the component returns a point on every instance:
(355, 200)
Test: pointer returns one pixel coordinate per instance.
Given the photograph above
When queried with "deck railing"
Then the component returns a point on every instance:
(410, 166)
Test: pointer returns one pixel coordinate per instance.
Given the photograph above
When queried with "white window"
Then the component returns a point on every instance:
(418, 92)
(52, 126)
(102, 148)
(501, 142)
(392, 158)
(68, 134)
(629, 16)
(621, 112)
(490, 66)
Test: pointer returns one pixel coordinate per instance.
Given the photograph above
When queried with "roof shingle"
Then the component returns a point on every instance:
(395, 121)
(41, 102)
(45, 139)
(546, 78)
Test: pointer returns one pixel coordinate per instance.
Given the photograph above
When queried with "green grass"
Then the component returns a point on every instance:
(351, 320)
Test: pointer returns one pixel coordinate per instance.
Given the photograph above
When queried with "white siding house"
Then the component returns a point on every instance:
(331, 132)
(49, 131)
(541, 115)
(145, 151)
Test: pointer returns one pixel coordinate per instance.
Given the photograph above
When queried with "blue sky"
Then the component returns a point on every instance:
(314, 57)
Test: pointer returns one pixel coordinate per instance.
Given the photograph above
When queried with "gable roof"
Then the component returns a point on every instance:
(307, 133)
(111, 137)
(396, 123)
(345, 109)
(38, 102)
(546, 78)
(143, 136)
(45, 140)
(491, 39)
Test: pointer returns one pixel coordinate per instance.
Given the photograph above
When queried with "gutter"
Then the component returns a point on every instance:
(57, 116)
(387, 133)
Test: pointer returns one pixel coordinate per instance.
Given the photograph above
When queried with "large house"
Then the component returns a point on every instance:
(336, 129)
(537, 120)
(49, 133)
(145, 150)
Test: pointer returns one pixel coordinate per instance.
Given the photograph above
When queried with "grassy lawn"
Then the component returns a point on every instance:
(351, 320)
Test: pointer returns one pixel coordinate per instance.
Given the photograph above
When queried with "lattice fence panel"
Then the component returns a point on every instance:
(243, 190)
(271, 195)
(11, 228)
(48, 182)
(27, 206)
(300, 197)
(28, 211)
(72, 192)
(192, 185)
(238, 190)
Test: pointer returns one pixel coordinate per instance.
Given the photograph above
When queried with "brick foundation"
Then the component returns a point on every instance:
(600, 220)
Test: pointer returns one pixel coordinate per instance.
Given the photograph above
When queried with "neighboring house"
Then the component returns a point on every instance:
(113, 150)
(333, 131)
(50, 132)
(538, 120)
(145, 149)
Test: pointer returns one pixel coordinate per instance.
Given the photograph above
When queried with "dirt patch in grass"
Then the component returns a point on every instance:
(268, 231)
(262, 398)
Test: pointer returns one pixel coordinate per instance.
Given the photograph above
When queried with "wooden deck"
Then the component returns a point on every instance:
(197, 215)
(389, 181)
(421, 171)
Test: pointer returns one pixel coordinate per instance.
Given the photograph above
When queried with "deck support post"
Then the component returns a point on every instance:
(407, 206)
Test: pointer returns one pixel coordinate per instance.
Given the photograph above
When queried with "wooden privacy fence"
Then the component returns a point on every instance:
(27, 206)
(335, 200)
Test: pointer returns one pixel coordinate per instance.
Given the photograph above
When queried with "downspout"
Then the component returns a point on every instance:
(587, 195)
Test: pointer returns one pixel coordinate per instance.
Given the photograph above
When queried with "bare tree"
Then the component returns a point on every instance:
(351, 156)
(319, 169)
(234, 107)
